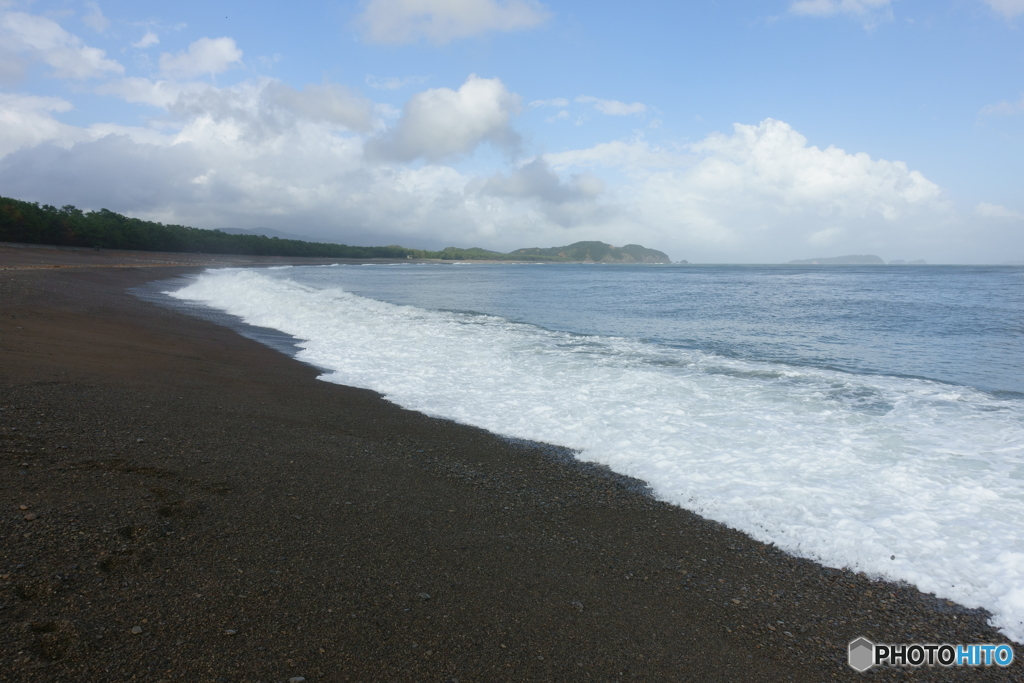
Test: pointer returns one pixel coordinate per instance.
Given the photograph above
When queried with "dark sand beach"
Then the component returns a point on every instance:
(182, 503)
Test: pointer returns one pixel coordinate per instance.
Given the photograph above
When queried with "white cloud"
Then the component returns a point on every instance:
(536, 180)
(26, 121)
(826, 237)
(555, 102)
(987, 210)
(441, 21)
(869, 12)
(535, 190)
(773, 160)
(268, 62)
(95, 19)
(534, 196)
(328, 103)
(763, 193)
(205, 56)
(254, 109)
(1005, 108)
(441, 122)
(147, 40)
(1008, 8)
(393, 83)
(633, 156)
(161, 93)
(44, 40)
(12, 67)
(824, 8)
(613, 107)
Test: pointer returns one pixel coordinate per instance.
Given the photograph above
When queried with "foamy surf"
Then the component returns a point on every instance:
(900, 478)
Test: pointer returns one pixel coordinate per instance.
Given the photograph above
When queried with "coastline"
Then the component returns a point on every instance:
(176, 489)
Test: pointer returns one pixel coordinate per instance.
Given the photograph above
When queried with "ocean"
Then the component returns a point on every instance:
(864, 417)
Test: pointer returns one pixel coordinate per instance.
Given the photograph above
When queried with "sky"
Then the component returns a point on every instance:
(718, 132)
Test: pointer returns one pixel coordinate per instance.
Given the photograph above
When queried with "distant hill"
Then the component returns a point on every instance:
(596, 252)
(864, 260)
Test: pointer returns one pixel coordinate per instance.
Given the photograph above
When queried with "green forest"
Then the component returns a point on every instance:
(68, 226)
(34, 223)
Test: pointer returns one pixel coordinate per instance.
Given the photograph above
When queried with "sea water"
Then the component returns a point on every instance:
(864, 417)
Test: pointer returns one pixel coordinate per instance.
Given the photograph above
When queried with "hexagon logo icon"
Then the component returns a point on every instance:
(861, 654)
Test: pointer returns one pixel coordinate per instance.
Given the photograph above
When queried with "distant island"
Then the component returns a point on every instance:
(32, 223)
(855, 260)
(863, 260)
(596, 252)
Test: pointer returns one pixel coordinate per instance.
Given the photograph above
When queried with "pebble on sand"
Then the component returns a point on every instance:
(136, 630)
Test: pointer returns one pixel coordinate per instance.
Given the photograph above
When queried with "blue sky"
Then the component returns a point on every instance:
(715, 131)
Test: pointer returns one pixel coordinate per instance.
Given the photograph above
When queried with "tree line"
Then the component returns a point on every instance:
(34, 223)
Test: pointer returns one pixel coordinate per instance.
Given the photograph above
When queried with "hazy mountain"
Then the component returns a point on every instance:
(862, 260)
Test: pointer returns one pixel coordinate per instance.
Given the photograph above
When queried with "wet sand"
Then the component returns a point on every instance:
(178, 502)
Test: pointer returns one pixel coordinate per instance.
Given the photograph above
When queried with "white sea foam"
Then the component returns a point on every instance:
(850, 470)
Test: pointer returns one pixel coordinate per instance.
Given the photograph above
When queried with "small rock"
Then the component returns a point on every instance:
(136, 630)
(578, 605)
(424, 596)
(30, 516)
(230, 632)
(23, 507)
(297, 679)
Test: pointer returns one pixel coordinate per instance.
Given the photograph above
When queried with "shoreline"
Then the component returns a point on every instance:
(176, 490)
